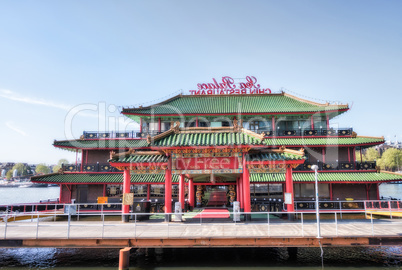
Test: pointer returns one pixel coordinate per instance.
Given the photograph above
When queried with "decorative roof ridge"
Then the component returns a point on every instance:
(370, 137)
(132, 152)
(283, 149)
(314, 103)
(393, 173)
(42, 175)
(260, 137)
(154, 105)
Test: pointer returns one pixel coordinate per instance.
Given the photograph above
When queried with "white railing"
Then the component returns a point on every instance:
(252, 224)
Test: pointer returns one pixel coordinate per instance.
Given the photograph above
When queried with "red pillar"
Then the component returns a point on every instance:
(323, 155)
(196, 121)
(148, 192)
(273, 125)
(327, 122)
(241, 192)
(140, 125)
(237, 190)
(82, 160)
(126, 188)
(168, 188)
(246, 187)
(331, 195)
(159, 124)
(191, 192)
(349, 154)
(312, 122)
(289, 188)
(181, 191)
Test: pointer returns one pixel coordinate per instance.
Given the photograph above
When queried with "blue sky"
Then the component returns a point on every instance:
(58, 56)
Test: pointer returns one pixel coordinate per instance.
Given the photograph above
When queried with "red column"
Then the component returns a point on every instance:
(241, 192)
(104, 190)
(196, 121)
(148, 192)
(327, 122)
(191, 192)
(168, 188)
(273, 125)
(237, 190)
(349, 154)
(181, 191)
(82, 159)
(289, 187)
(354, 157)
(331, 196)
(246, 187)
(323, 155)
(126, 188)
(312, 122)
(141, 125)
(159, 124)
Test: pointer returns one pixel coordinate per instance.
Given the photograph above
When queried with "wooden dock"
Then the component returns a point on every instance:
(177, 234)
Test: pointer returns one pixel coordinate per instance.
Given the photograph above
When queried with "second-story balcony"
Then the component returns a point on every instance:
(136, 134)
(339, 166)
(95, 167)
(305, 132)
(330, 166)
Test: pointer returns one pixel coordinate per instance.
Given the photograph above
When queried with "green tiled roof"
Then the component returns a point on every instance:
(101, 178)
(322, 141)
(141, 159)
(110, 178)
(327, 177)
(207, 139)
(232, 104)
(213, 139)
(273, 157)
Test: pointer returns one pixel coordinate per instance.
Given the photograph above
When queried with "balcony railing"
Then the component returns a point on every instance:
(305, 132)
(339, 166)
(96, 167)
(136, 134)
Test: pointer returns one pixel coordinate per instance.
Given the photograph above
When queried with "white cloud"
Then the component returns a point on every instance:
(11, 126)
(4, 93)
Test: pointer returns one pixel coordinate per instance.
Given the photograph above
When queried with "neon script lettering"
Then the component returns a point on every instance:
(229, 87)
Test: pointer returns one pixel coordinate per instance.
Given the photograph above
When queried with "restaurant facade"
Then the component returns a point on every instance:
(226, 141)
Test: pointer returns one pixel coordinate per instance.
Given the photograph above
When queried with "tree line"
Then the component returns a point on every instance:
(390, 160)
(25, 170)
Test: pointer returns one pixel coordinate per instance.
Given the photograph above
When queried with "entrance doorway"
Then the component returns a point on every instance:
(213, 196)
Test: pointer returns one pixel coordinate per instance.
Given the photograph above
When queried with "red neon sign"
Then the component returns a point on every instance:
(206, 163)
(228, 87)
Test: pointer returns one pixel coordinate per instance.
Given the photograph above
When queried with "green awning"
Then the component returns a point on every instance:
(363, 177)
(110, 178)
(100, 178)
(215, 139)
(270, 156)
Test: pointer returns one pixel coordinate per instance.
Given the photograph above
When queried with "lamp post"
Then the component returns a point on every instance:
(315, 169)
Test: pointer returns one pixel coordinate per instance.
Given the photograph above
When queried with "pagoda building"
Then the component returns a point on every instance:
(220, 144)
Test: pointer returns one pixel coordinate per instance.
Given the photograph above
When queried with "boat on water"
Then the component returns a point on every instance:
(39, 185)
(25, 185)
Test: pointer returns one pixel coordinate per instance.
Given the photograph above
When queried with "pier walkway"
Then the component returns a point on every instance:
(44, 232)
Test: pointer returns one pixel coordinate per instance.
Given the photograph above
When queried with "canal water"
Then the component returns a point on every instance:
(195, 259)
